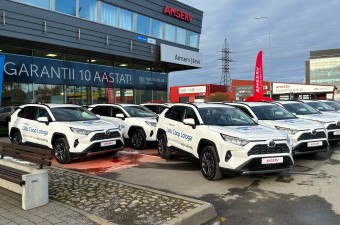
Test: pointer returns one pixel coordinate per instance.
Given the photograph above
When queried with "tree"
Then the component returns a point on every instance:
(217, 97)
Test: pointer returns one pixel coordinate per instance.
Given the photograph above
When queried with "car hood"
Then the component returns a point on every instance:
(91, 125)
(325, 118)
(296, 124)
(148, 119)
(257, 132)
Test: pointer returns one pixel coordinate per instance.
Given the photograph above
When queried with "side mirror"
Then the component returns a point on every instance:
(121, 116)
(99, 116)
(256, 120)
(190, 122)
(294, 114)
(43, 120)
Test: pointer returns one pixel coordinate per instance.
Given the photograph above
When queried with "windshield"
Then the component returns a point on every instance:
(320, 106)
(271, 112)
(335, 105)
(300, 109)
(225, 116)
(72, 114)
(139, 111)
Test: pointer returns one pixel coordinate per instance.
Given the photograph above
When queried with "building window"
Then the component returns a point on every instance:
(40, 3)
(16, 93)
(143, 96)
(143, 24)
(193, 39)
(125, 19)
(181, 36)
(88, 9)
(157, 29)
(48, 93)
(109, 14)
(66, 6)
(169, 32)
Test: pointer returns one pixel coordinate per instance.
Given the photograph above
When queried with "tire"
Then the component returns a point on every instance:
(163, 149)
(61, 151)
(209, 164)
(16, 138)
(138, 139)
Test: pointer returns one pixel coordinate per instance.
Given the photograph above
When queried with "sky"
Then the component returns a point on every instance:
(296, 28)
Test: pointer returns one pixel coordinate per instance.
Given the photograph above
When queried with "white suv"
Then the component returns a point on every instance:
(223, 138)
(138, 123)
(70, 130)
(330, 121)
(306, 136)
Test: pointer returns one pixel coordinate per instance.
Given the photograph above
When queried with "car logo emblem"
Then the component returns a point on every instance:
(107, 132)
(313, 132)
(271, 144)
(338, 123)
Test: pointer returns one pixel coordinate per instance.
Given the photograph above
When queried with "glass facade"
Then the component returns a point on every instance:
(325, 71)
(101, 12)
(66, 6)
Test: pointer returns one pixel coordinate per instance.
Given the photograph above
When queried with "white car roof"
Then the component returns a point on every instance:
(251, 103)
(203, 105)
(108, 104)
(52, 105)
(288, 102)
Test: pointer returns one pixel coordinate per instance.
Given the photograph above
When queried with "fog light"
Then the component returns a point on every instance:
(76, 143)
(228, 156)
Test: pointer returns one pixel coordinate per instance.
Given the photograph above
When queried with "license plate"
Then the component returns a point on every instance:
(336, 133)
(274, 160)
(314, 144)
(107, 143)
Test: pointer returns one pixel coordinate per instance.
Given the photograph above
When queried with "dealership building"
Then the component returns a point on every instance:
(92, 51)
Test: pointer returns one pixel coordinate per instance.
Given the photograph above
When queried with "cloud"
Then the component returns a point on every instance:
(296, 28)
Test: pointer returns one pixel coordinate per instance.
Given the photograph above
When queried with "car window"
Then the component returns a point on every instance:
(102, 110)
(225, 116)
(176, 113)
(271, 112)
(29, 112)
(190, 113)
(73, 114)
(300, 109)
(320, 106)
(139, 111)
(42, 112)
(245, 110)
(116, 110)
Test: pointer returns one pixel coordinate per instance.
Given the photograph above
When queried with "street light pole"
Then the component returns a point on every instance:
(270, 69)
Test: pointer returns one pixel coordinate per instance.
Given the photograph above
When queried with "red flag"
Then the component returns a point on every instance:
(258, 82)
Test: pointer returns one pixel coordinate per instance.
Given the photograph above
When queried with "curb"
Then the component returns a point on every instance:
(198, 215)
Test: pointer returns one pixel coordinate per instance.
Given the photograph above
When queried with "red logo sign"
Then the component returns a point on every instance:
(177, 13)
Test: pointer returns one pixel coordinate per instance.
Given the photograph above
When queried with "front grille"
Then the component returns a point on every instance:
(103, 136)
(309, 136)
(333, 127)
(303, 148)
(265, 149)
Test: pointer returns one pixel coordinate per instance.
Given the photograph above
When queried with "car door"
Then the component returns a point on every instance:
(173, 120)
(27, 123)
(122, 122)
(43, 129)
(189, 133)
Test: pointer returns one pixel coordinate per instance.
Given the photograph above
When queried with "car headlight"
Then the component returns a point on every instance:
(80, 131)
(234, 140)
(153, 124)
(287, 130)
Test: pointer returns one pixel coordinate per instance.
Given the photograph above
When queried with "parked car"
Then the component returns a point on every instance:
(70, 130)
(222, 138)
(6, 112)
(330, 121)
(321, 106)
(137, 122)
(156, 107)
(306, 136)
(332, 103)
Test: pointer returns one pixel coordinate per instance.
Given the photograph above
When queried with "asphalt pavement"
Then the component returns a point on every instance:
(79, 198)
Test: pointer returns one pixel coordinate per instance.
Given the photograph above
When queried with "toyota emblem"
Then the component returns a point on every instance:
(313, 132)
(271, 144)
(107, 132)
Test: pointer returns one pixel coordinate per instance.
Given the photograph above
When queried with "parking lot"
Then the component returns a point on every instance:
(307, 195)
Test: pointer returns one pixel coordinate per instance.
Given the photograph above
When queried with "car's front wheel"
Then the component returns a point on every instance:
(61, 151)
(163, 149)
(209, 164)
(138, 139)
(16, 138)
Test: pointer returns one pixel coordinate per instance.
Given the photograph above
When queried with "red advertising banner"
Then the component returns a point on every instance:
(110, 95)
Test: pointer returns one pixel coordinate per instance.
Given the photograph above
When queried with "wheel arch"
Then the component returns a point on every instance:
(160, 132)
(14, 129)
(133, 128)
(205, 142)
(56, 136)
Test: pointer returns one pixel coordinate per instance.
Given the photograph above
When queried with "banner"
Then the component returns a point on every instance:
(258, 77)
(2, 62)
